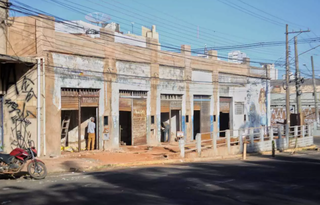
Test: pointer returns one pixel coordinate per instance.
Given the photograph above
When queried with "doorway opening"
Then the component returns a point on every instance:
(70, 126)
(77, 108)
(125, 127)
(164, 119)
(175, 122)
(171, 106)
(225, 117)
(196, 123)
(133, 117)
(201, 116)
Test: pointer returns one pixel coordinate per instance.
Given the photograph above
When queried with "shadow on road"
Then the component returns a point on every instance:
(283, 180)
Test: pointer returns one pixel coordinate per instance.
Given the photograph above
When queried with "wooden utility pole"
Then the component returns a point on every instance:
(315, 92)
(298, 82)
(287, 84)
(288, 79)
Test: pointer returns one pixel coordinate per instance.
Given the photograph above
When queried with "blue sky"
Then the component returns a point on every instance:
(218, 21)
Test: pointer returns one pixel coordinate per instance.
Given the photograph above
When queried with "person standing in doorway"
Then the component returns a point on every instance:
(91, 134)
(165, 128)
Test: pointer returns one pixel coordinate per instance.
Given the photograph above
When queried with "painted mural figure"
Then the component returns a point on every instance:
(263, 108)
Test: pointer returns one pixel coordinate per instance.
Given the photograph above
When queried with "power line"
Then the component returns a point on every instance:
(246, 11)
(286, 21)
(72, 25)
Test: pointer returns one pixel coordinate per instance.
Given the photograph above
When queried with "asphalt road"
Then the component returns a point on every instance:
(260, 180)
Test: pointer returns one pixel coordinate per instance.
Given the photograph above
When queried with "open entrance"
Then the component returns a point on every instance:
(225, 121)
(201, 115)
(171, 106)
(125, 127)
(133, 117)
(1, 123)
(196, 123)
(74, 129)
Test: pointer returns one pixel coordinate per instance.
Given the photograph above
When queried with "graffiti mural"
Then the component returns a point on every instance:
(19, 114)
(255, 104)
(278, 115)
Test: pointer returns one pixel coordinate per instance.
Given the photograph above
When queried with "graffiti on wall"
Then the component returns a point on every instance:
(20, 115)
(278, 115)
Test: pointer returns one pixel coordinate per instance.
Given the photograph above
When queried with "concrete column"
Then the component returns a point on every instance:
(154, 136)
(107, 35)
(186, 51)
(216, 108)
(212, 54)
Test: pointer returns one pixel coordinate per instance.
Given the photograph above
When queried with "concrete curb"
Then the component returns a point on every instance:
(163, 162)
(146, 163)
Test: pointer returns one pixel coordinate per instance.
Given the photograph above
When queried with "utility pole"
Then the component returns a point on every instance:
(288, 79)
(315, 92)
(287, 85)
(298, 82)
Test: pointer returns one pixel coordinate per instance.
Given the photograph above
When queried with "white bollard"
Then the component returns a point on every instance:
(303, 130)
(228, 141)
(214, 143)
(261, 139)
(240, 140)
(296, 131)
(181, 146)
(198, 141)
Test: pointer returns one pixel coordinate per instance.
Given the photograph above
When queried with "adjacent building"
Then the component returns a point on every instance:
(278, 101)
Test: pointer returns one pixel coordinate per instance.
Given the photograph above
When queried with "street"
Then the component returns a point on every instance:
(286, 179)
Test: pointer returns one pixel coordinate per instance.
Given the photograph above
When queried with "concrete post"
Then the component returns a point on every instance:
(295, 131)
(181, 146)
(303, 130)
(214, 143)
(309, 131)
(280, 136)
(228, 141)
(240, 140)
(198, 142)
(287, 134)
(261, 138)
(251, 130)
(271, 133)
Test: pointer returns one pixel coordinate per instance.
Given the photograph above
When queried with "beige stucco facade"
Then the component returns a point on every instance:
(150, 75)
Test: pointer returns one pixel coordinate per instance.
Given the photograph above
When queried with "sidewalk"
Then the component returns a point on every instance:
(128, 156)
(125, 157)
